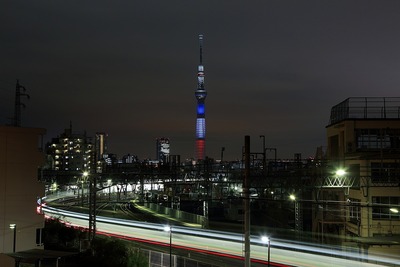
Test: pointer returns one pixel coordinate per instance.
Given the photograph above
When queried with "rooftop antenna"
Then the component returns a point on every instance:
(18, 104)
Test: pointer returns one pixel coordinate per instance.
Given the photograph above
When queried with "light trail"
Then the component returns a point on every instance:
(283, 252)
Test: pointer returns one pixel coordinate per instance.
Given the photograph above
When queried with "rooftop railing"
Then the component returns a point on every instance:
(366, 108)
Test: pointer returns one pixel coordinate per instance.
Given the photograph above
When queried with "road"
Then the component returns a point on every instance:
(225, 244)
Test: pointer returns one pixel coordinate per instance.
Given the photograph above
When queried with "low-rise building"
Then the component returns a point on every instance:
(363, 140)
(21, 154)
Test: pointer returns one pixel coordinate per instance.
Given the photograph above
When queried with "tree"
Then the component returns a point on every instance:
(104, 251)
(111, 252)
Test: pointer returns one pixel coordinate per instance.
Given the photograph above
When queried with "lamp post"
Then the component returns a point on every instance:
(169, 229)
(296, 213)
(13, 226)
(84, 179)
(267, 240)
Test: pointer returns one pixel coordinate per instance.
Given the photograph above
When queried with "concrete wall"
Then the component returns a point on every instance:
(20, 156)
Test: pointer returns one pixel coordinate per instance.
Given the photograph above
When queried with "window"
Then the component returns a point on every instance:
(385, 172)
(354, 210)
(382, 208)
(378, 138)
(334, 146)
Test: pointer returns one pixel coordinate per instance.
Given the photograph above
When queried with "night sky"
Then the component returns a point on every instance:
(129, 68)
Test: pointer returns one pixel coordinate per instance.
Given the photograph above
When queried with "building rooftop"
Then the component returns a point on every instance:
(34, 255)
(366, 108)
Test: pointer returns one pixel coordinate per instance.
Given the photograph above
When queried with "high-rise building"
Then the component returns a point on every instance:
(101, 145)
(162, 149)
(201, 95)
(71, 152)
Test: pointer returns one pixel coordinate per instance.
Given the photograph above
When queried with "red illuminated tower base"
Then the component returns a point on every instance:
(200, 148)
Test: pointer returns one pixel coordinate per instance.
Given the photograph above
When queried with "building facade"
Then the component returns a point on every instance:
(71, 154)
(21, 154)
(162, 149)
(363, 141)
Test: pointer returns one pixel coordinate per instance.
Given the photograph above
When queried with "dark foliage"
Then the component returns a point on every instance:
(104, 251)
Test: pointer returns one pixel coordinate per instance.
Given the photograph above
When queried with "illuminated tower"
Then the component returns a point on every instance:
(201, 113)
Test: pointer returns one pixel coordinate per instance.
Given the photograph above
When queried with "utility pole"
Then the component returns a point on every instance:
(92, 206)
(246, 184)
(92, 196)
(18, 104)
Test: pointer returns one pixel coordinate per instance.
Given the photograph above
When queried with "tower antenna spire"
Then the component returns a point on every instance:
(201, 48)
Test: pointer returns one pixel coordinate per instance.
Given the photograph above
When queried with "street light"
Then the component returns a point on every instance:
(13, 226)
(168, 228)
(340, 172)
(267, 240)
(394, 210)
(53, 187)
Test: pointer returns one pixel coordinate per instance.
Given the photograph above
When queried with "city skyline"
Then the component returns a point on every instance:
(274, 68)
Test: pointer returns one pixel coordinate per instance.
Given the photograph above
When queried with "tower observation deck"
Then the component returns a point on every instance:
(201, 95)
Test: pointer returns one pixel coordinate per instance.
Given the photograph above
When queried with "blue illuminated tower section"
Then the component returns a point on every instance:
(201, 95)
